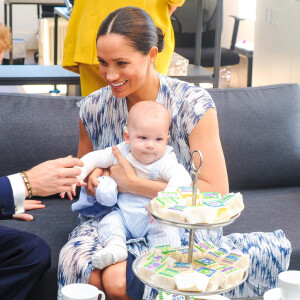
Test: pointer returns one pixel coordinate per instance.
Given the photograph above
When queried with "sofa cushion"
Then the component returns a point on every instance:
(259, 129)
(267, 210)
(36, 128)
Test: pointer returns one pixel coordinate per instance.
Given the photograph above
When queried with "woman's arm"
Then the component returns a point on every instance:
(85, 145)
(129, 182)
(205, 137)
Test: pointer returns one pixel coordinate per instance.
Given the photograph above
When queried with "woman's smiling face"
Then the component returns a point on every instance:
(125, 69)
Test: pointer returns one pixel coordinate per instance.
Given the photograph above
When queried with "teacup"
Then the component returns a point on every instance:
(289, 282)
(81, 291)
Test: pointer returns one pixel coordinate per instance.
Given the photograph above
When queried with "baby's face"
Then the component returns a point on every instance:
(148, 139)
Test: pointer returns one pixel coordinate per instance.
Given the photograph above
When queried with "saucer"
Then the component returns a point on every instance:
(214, 297)
(273, 294)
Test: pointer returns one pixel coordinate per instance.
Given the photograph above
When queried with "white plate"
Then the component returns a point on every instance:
(180, 297)
(273, 294)
(197, 295)
(189, 225)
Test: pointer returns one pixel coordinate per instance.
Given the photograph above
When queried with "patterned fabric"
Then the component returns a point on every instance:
(104, 117)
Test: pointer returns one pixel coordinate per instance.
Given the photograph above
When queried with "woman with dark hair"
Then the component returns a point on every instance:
(79, 52)
(127, 45)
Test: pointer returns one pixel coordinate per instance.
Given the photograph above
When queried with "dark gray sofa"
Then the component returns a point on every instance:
(260, 133)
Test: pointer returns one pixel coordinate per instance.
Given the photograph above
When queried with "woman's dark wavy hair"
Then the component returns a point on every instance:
(136, 25)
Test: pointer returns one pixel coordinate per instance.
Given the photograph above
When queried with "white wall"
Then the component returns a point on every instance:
(25, 23)
(246, 27)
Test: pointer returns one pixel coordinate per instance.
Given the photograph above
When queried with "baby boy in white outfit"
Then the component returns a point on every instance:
(146, 149)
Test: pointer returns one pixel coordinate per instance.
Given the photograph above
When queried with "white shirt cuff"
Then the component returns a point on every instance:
(18, 187)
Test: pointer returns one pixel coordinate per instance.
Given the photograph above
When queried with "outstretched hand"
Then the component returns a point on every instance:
(29, 205)
(54, 176)
(123, 173)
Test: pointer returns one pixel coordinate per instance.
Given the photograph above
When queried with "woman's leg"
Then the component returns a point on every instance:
(114, 281)
(75, 258)
(75, 264)
(95, 279)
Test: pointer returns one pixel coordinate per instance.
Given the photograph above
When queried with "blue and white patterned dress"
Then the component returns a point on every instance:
(104, 117)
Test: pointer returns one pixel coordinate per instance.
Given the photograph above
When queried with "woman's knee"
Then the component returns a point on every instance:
(114, 281)
(95, 279)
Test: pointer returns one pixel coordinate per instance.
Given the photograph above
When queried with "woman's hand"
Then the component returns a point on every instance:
(92, 180)
(29, 205)
(123, 173)
(171, 10)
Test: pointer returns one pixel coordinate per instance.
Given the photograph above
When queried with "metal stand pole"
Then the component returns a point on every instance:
(195, 172)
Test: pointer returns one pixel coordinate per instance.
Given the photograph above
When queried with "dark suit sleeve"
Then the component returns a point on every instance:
(7, 205)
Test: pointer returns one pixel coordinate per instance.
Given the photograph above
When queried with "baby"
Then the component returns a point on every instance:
(146, 149)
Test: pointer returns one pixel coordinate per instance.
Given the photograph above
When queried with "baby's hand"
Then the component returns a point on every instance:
(72, 193)
(80, 182)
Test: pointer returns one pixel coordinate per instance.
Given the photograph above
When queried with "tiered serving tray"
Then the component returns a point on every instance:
(192, 228)
(195, 294)
(188, 225)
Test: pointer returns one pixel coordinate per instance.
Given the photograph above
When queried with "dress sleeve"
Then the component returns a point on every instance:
(177, 3)
(197, 102)
(90, 114)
